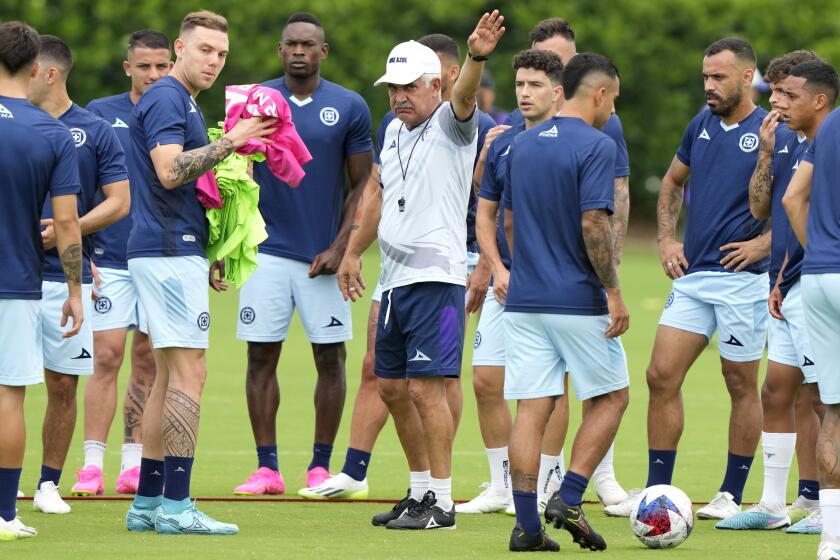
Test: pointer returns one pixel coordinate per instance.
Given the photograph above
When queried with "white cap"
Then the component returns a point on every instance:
(407, 62)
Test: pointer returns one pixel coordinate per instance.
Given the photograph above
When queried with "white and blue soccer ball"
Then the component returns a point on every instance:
(663, 517)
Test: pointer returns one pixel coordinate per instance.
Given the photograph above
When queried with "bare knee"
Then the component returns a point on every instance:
(61, 389)
(741, 381)
(617, 400)
(426, 393)
(329, 359)
(262, 360)
(107, 361)
(661, 381)
(142, 358)
(488, 383)
(392, 391)
(369, 379)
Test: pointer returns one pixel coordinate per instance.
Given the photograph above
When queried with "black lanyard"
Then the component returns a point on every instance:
(404, 170)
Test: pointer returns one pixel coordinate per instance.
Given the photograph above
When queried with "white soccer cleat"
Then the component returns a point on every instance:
(828, 551)
(802, 508)
(491, 500)
(47, 499)
(20, 494)
(542, 502)
(722, 506)
(609, 491)
(625, 507)
(338, 487)
(15, 529)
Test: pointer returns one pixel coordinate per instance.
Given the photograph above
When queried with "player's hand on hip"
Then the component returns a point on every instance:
(72, 310)
(48, 233)
(501, 279)
(672, 257)
(255, 128)
(326, 262)
(619, 316)
(767, 132)
(350, 278)
(487, 33)
(774, 303)
(217, 276)
(742, 254)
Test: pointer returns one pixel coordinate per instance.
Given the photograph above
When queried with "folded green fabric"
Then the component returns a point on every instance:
(237, 228)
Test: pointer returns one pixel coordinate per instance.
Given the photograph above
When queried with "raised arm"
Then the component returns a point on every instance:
(797, 200)
(480, 44)
(761, 182)
(667, 213)
(598, 239)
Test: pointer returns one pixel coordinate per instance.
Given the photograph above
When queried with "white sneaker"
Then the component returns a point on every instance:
(20, 494)
(722, 506)
(625, 507)
(491, 500)
(609, 491)
(541, 503)
(828, 551)
(47, 499)
(15, 529)
(338, 487)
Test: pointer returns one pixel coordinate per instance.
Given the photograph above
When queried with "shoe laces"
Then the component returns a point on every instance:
(418, 509)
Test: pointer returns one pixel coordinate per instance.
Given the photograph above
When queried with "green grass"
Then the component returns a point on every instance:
(293, 530)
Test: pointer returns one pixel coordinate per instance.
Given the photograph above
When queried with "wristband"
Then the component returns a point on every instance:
(478, 58)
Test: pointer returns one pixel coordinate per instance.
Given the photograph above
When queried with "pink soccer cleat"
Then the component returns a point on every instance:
(128, 481)
(264, 482)
(90, 482)
(316, 477)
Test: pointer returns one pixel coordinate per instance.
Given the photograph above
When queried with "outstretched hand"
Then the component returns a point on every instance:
(487, 33)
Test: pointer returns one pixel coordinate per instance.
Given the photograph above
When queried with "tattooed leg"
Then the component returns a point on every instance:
(139, 386)
(182, 401)
(828, 449)
(526, 441)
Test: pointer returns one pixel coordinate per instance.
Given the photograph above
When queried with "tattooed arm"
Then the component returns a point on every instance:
(68, 238)
(621, 215)
(761, 183)
(667, 213)
(599, 243)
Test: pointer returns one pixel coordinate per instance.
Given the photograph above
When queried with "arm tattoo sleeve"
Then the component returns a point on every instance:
(598, 239)
(195, 163)
(761, 183)
(621, 215)
(668, 211)
(180, 423)
(71, 261)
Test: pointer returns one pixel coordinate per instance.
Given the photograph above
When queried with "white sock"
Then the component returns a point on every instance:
(131, 455)
(499, 469)
(778, 454)
(548, 467)
(561, 467)
(442, 487)
(94, 453)
(830, 508)
(605, 467)
(419, 483)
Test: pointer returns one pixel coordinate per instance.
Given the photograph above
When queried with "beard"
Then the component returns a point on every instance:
(727, 105)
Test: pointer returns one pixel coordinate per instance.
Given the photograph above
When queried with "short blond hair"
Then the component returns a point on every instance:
(206, 19)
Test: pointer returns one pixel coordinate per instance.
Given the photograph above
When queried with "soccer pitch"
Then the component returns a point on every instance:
(226, 455)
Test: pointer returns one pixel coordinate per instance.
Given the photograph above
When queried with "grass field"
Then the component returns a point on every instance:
(293, 530)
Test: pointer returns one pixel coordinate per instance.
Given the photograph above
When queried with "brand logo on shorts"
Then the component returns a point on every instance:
(420, 357)
(807, 361)
(733, 341)
(329, 116)
(247, 315)
(670, 300)
(748, 142)
(85, 355)
(334, 322)
(203, 321)
(102, 305)
(79, 136)
(477, 341)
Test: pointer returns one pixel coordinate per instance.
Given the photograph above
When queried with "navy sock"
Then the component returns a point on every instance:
(660, 466)
(151, 478)
(267, 457)
(321, 453)
(356, 464)
(49, 474)
(9, 482)
(737, 471)
(809, 489)
(176, 473)
(526, 512)
(572, 488)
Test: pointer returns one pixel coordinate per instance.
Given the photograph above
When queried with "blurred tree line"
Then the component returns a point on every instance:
(657, 45)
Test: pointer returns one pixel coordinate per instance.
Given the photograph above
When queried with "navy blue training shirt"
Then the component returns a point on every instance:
(556, 171)
(787, 143)
(101, 162)
(166, 223)
(822, 255)
(722, 160)
(37, 158)
(334, 123)
(110, 243)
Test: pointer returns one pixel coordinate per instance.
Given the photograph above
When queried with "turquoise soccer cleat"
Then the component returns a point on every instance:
(191, 521)
(754, 518)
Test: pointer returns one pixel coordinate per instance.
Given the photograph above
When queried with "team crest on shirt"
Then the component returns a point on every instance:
(79, 136)
(102, 305)
(247, 315)
(329, 116)
(748, 142)
(203, 321)
(670, 300)
(477, 341)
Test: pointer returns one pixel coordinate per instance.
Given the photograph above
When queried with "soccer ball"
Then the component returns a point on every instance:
(663, 517)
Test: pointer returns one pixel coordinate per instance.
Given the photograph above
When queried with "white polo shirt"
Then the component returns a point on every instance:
(426, 176)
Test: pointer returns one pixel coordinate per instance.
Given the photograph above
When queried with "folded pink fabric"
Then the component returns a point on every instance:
(207, 190)
(286, 154)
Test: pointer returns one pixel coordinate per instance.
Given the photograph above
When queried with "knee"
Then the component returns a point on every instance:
(740, 384)
(617, 400)
(775, 397)
(369, 379)
(61, 389)
(143, 360)
(426, 393)
(488, 387)
(392, 391)
(107, 360)
(262, 359)
(660, 380)
(329, 359)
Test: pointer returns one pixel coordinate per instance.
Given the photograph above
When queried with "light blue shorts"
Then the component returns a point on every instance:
(118, 306)
(174, 294)
(821, 293)
(74, 355)
(269, 298)
(489, 342)
(788, 341)
(733, 303)
(542, 347)
(21, 361)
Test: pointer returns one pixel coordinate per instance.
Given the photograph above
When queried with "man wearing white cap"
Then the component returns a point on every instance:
(420, 212)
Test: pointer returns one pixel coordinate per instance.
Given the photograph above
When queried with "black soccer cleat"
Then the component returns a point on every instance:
(382, 519)
(425, 515)
(572, 519)
(520, 541)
